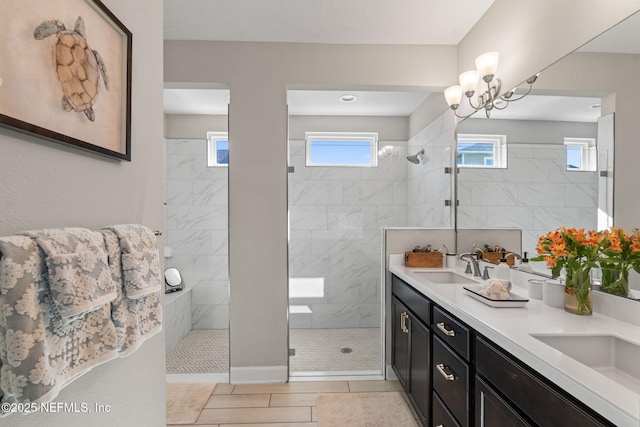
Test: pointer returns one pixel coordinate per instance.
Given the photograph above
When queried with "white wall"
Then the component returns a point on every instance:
(49, 185)
(535, 193)
(197, 229)
(336, 220)
(428, 184)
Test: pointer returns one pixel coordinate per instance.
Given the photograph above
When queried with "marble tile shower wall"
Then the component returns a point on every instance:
(196, 228)
(336, 218)
(535, 193)
(428, 185)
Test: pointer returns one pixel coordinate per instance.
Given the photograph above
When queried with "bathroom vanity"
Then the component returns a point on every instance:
(464, 363)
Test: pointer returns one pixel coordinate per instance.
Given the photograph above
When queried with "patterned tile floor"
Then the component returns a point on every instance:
(256, 405)
(317, 350)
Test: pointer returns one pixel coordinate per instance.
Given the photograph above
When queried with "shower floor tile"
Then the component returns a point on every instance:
(200, 351)
(325, 351)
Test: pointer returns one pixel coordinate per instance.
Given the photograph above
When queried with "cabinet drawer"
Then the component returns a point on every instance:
(441, 415)
(415, 301)
(539, 401)
(452, 331)
(451, 380)
(492, 410)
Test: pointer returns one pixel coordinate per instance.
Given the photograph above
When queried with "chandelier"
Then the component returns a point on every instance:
(490, 98)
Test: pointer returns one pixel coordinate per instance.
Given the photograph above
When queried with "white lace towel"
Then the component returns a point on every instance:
(140, 259)
(135, 319)
(77, 269)
(40, 353)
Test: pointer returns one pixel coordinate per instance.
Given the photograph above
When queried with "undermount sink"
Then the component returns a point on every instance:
(443, 276)
(611, 356)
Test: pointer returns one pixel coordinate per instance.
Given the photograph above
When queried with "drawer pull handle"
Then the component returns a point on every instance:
(403, 317)
(441, 369)
(447, 332)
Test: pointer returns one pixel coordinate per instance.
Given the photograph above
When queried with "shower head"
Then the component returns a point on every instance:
(416, 158)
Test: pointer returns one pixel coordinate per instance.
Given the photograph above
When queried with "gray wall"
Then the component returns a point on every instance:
(258, 74)
(545, 31)
(607, 74)
(49, 185)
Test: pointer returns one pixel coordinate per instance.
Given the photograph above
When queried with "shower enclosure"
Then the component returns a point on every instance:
(336, 215)
(196, 210)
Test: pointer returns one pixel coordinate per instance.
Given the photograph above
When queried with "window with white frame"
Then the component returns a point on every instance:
(342, 149)
(217, 149)
(581, 154)
(482, 151)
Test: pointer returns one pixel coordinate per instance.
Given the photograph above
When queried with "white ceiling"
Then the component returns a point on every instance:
(359, 21)
(323, 21)
(196, 101)
(368, 103)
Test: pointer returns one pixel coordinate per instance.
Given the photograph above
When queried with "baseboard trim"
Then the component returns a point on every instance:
(258, 374)
(391, 374)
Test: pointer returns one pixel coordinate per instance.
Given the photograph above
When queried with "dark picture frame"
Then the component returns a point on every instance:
(66, 69)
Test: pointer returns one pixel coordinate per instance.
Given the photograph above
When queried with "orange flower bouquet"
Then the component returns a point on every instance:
(620, 253)
(577, 252)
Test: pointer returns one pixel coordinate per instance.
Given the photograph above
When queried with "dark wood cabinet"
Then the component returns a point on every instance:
(441, 415)
(492, 410)
(451, 380)
(411, 344)
(529, 392)
(400, 342)
(453, 376)
(420, 369)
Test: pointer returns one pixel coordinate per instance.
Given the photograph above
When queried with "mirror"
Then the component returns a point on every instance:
(173, 280)
(553, 172)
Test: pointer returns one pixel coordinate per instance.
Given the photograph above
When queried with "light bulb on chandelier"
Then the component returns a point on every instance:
(490, 98)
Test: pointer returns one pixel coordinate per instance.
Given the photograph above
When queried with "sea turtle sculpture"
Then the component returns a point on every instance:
(78, 67)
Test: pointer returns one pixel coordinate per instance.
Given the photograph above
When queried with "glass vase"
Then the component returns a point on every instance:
(577, 291)
(615, 281)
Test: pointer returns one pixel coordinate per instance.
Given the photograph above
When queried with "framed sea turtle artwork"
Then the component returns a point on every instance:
(65, 74)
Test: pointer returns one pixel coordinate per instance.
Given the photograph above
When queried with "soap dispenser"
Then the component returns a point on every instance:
(502, 269)
(524, 265)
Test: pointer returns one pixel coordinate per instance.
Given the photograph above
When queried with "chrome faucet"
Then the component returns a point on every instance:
(474, 261)
(515, 255)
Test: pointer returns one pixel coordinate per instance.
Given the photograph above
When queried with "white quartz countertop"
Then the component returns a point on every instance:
(511, 329)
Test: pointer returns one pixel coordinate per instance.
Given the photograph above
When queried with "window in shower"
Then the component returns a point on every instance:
(341, 149)
(217, 149)
(482, 151)
(581, 154)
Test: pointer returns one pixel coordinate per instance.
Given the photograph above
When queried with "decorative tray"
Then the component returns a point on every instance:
(515, 301)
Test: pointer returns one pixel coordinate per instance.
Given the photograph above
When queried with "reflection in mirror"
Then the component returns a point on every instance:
(559, 153)
(532, 167)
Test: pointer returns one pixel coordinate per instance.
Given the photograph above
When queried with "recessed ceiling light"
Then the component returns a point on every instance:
(348, 98)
